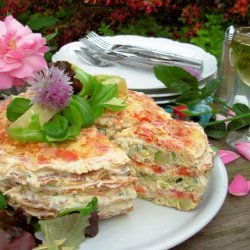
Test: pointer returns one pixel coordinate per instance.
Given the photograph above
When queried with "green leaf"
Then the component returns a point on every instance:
(51, 36)
(32, 132)
(115, 104)
(57, 127)
(75, 128)
(3, 202)
(68, 228)
(240, 109)
(237, 124)
(98, 111)
(89, 82)
(176, 78)
(36, 22)
(210, 87)
(91, 207)
(86, 109)
(48, 56)
(217, 131)
(77, 106)
(17, 107)
(188, 96)
(104, 94)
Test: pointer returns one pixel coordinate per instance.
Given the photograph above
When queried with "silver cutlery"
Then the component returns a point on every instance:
(97, 43)
(102, 59)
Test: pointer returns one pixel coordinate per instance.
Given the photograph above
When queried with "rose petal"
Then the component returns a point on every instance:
(239, 186)
(244, 149)
(220, 117)
(6, 81)
(227, 156)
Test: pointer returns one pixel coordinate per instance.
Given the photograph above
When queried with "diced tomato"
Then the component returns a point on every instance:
(42, 159)
(140, 189)
(66, 155)
(157, 169)
(145, 133)
(179, 194)
(184, 171)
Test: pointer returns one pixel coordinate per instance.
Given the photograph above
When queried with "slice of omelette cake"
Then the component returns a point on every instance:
(139, 108)
(172, 161)
(44, 179)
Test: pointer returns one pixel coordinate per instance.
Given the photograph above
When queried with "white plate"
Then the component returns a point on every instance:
(139, 78)
(152, 227)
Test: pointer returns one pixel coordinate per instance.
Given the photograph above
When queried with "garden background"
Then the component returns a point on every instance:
(202, 23)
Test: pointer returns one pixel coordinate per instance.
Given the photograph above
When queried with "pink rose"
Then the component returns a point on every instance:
(21, 53)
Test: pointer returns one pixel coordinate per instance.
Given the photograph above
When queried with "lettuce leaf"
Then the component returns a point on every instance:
(3, 202)
(67, 230)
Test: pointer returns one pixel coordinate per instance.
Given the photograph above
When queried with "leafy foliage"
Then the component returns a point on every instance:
(200, 22)
(177, 79)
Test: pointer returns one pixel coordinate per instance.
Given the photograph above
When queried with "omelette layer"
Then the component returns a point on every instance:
(110, 201)
(44, 179)
(178, 186)
(172, 161)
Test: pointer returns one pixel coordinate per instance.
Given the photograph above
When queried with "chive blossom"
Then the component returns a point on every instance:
(51, 88)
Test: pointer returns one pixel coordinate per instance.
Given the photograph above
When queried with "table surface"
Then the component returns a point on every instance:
(230, 228)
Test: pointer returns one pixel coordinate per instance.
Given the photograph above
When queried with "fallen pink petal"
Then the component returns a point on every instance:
(239, 186)
(227, 156)
(244, 149)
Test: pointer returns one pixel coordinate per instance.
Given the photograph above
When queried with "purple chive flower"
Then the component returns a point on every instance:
(51, 88)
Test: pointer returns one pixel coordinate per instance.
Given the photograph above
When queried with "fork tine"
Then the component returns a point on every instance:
(86, 58)
(91, 45)
(96, 42)
(98, 39)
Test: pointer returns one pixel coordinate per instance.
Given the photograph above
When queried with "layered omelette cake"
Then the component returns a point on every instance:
(139, 108)
(45, 179)
(172, 161)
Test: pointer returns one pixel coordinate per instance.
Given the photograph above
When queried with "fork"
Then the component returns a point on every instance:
(97, 43)
(102, 60)
(90, 59)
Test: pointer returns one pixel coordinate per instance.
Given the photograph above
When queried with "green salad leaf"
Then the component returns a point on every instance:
(57, 127)
(86, 110)
(89, 82)
(33, 132)
(67, 230)
(81, 111)
(3, 202)
(91, 207)
(115, 104)
(17, 107)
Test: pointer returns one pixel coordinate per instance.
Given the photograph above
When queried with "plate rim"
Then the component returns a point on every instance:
(77, 45)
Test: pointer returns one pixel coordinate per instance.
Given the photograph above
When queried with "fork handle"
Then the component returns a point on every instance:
(145, 61)
(154, 54)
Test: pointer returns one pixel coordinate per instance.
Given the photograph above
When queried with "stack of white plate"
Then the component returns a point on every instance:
(139, 78)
